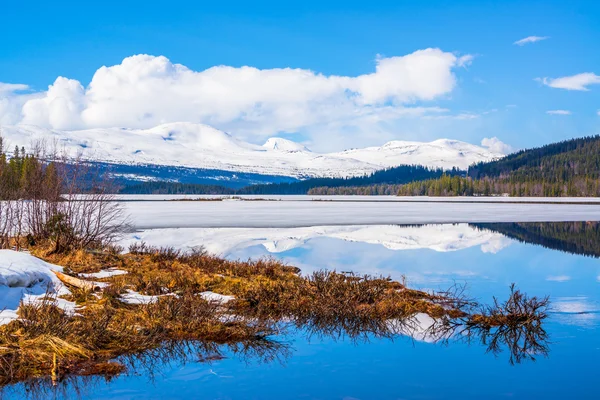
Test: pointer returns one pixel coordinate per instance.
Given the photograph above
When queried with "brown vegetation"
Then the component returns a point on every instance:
(269, 296)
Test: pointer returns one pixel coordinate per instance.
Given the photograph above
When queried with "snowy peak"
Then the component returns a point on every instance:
(284, 145)
(200, 146)
(441, 153)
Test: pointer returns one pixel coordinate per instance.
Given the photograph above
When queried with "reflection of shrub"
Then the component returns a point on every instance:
(516, 324)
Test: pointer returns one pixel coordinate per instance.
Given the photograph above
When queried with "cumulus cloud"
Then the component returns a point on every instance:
(496, 145)
(530, 39)
(573, 82)
(558, 112)
(144, 91)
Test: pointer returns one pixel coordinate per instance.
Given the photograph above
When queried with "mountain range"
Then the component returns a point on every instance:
(201, 147)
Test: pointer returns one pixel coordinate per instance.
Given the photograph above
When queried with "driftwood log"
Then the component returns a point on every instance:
(78, 283)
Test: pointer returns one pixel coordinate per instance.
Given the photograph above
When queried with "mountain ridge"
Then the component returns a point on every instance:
(201, 146)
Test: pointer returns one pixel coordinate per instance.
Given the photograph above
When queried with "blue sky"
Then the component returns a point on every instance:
(495, 95)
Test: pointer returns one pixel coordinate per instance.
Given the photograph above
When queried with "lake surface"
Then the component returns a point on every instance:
(303, 212)
(559, 260)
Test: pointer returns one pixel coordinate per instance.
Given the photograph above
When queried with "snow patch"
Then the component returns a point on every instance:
(107, 273)
(213, 297)
(25, 278)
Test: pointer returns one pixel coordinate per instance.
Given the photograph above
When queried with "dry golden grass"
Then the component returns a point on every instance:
(45, 341)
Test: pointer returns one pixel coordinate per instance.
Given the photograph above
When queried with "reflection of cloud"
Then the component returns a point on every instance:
(577, 311)
(418, 328)
(559, 278)
(495, 244)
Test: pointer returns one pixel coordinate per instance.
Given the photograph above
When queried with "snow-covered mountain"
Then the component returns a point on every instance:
(225, 241)
(201, 146)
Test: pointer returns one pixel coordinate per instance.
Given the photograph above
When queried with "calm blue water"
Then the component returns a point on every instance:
(322, 368)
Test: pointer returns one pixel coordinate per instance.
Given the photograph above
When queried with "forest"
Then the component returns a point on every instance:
(174, 188)
(568, 168)
(25, 176)
(379, 181)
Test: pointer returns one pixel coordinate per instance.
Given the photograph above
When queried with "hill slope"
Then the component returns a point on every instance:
(203, 147)
(569, 168)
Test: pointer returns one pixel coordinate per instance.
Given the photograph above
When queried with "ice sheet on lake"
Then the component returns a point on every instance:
(280, 214)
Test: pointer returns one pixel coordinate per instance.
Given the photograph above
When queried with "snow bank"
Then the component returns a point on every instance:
(26, 278)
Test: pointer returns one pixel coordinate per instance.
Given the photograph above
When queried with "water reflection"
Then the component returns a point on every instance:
(571, 237)
(515, 326)
(484, 257)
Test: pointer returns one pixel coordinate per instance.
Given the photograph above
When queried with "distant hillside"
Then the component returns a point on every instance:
(569, 168)
(389, 177)
(204, 148)
(554, 162)
(386, 181)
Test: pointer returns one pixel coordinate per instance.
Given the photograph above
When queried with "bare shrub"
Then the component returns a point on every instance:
(41, 199)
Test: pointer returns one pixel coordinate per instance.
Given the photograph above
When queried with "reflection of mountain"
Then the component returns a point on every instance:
(571, 237)
(224, 241)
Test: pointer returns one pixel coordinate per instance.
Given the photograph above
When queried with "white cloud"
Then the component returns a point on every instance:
(144, 91)
(496, 145)
(559, 278)
(598, 112)
(530, 39)
(558, 112)
(12, 87)
(574, 82)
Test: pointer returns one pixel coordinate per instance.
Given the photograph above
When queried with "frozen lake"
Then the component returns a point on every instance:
(301, 212)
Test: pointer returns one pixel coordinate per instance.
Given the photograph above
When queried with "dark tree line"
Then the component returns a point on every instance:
(370, 190)
(379, 182)
(458, 186)
(175, 188)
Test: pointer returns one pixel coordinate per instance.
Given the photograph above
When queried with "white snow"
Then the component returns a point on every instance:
(442, 153)
(201, 146)
(224, 241)
(26, 278)
(133, 297)
(213, 297)
(107, 273)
